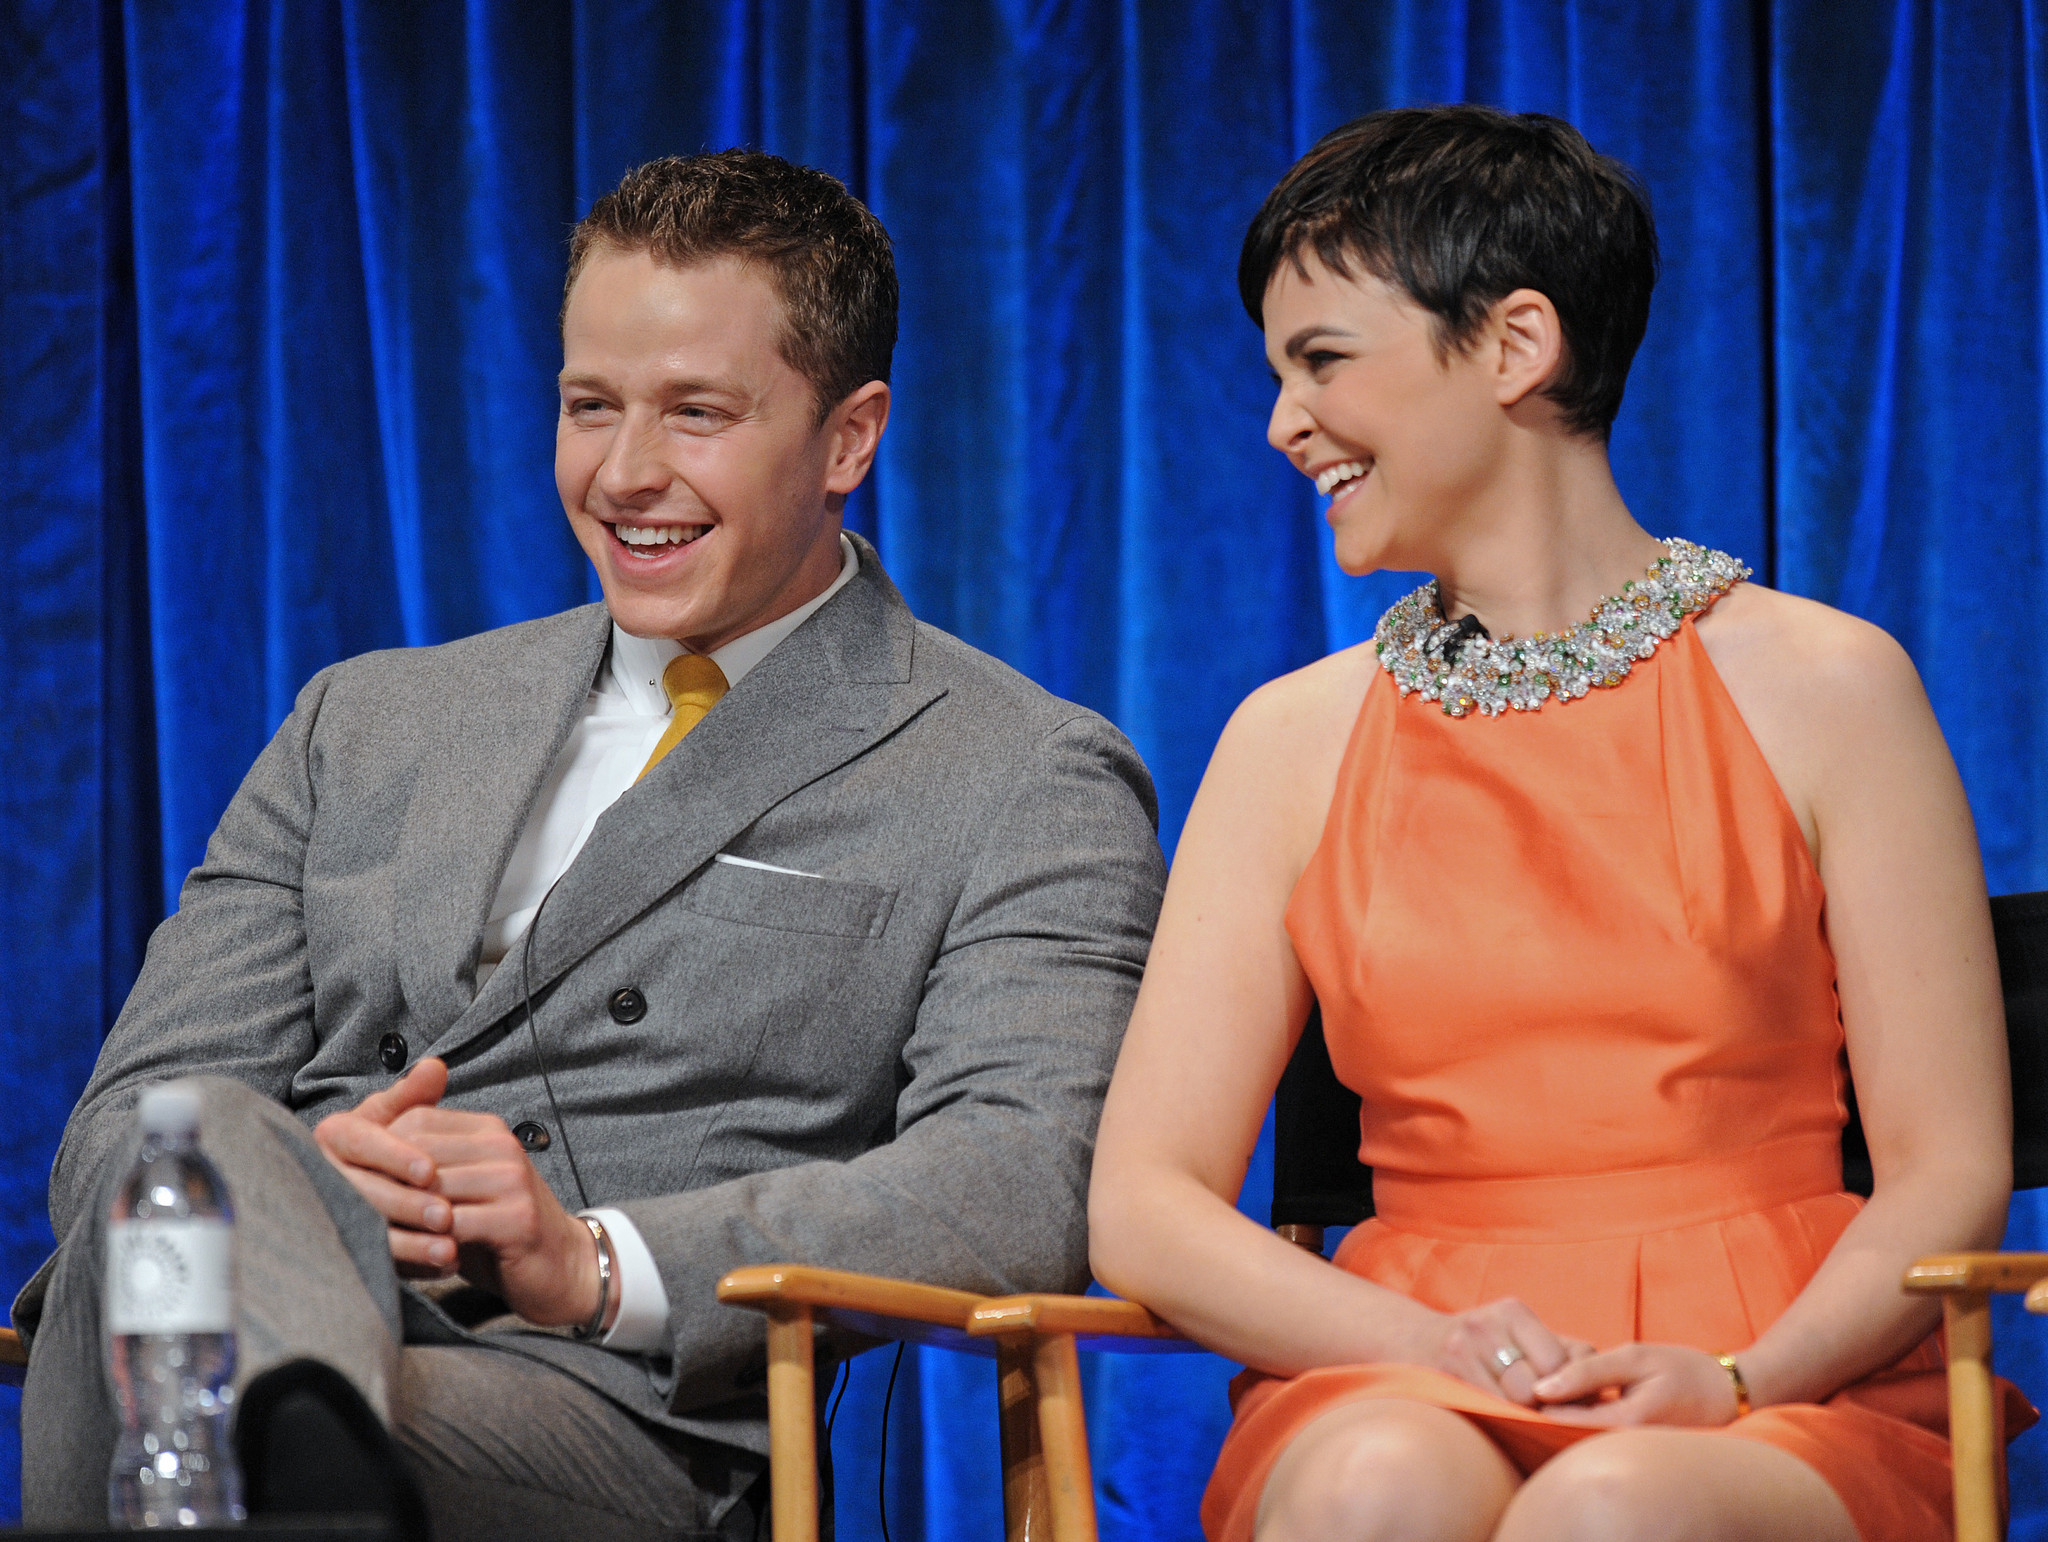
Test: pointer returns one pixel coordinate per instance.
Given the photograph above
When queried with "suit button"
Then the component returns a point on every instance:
(628, 1006)
(534, 1137)
(391, 1051)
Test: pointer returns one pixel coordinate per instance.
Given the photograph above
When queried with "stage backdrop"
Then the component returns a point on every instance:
(277, 295)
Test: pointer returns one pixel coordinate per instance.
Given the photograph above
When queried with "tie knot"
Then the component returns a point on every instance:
(692, 680)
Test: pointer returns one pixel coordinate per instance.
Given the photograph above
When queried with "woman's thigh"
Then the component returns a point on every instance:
(1383, 1468)
(1674, 1486)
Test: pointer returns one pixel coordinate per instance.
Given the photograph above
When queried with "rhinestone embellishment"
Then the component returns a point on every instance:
(1488, 675)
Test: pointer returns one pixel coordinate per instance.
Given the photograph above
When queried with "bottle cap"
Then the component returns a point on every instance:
(170, 1108)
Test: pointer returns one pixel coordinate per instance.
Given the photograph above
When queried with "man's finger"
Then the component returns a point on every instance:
(350, 1140)
(479, 1146)
(422, 1085)
(505, 1217)
(419, 1254)
(400, 1203)
(480, 1183)
(432, 1119)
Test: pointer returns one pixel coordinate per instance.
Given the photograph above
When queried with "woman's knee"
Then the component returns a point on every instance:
(1612, 1488)
(1386, 1469)
(1667, 1485)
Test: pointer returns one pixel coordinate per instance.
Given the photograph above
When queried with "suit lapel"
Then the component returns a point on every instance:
(503, 730)
(837, 686)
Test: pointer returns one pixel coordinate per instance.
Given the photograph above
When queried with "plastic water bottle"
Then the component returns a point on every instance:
(170, 1319)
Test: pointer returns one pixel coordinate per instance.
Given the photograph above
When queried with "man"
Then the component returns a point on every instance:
(743, 914)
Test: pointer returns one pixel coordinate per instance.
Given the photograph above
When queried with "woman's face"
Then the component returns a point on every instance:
(1405, 444)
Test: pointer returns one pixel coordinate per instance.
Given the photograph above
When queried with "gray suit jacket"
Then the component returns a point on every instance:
(894, 1066)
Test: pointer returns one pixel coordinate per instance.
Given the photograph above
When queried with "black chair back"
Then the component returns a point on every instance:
(2021, 921)
(1319, 1181)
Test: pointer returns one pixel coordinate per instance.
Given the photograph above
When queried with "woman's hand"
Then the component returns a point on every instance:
(1657, 1383)
(1502, 1348)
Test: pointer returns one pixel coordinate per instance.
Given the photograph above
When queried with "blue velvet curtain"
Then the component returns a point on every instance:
(277, 293)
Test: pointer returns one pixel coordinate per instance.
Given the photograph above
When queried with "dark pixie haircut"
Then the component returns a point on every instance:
(1459, 206)
(827, 256)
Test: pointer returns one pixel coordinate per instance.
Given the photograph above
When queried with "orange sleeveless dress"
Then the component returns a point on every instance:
(1574, 962)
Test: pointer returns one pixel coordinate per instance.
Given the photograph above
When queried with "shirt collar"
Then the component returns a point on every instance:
(637, 662)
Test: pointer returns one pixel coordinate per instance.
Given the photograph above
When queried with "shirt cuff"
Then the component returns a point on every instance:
(641, 1328)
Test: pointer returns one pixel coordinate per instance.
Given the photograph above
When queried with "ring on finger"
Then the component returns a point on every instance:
(1508, 1356)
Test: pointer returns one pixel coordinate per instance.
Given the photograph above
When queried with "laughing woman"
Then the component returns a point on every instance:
(1599, 913)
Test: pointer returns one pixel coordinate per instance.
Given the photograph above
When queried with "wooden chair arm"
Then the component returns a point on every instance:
(1965, 1282)
(1046, 1476)
(868, 1305)
(1083, 1316)
(795, 1297)
(13, 1358)
(766, 1285)
(1976, 1273)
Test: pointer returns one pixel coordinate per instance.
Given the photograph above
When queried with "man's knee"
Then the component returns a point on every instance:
(239, 1128)
(263, 1150)
(1385, 1469)
(232, 1114)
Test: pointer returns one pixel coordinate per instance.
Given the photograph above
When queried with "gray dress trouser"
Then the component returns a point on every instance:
(502, 1444)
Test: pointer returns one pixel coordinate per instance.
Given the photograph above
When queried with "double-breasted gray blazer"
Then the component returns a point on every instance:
(889, 1058)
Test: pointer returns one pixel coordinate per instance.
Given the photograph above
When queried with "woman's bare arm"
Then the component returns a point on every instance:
(1840, 713)
(1221, 1007)
(1840, 716)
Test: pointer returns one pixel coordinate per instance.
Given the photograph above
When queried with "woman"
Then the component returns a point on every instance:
(1592, 918)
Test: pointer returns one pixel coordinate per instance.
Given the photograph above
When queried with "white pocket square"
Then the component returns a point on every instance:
(766, 867)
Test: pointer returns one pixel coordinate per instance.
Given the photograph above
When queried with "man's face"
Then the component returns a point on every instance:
(688, 453)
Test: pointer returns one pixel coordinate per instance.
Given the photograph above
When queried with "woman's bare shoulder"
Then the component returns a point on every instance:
(1302, 720)
(1826, 696)
(1803, 655)
(1275, 767)
(1312, 699)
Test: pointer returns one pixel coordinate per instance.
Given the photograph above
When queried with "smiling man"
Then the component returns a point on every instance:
(559, 970)
(691, 453)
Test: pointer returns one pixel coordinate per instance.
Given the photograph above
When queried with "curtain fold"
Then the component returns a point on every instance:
(1910, 347)
(78, 826)
(278, 294)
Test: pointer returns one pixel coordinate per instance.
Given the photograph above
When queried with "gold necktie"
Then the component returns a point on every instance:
(694, 684)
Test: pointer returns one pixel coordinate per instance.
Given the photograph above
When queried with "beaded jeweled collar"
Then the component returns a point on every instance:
(1468, 672)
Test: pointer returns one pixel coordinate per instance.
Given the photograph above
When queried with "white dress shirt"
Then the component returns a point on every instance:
(624, 718)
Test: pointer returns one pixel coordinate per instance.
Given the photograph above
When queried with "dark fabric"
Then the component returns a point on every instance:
(277, 289)
(1317, 1177)
(309, 1445)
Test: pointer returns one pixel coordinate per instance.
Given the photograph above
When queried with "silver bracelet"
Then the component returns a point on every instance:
(595, 1326)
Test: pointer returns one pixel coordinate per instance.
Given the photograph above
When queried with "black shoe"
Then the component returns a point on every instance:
(310, 1445)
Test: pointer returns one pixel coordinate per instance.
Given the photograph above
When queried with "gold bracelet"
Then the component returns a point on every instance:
(1741, 1387)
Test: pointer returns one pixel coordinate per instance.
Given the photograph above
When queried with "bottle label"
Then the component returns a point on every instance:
(170, 1277)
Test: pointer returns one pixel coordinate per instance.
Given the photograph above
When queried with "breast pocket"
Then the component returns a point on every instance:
(790, 902)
